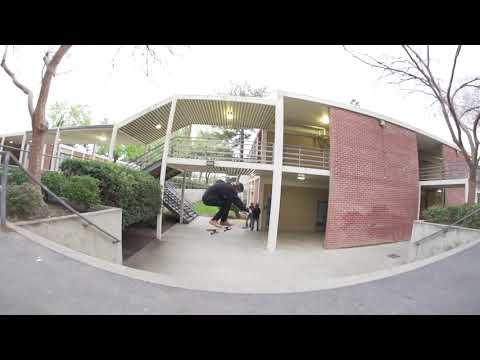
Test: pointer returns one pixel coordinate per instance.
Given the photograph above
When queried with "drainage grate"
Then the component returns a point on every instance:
(393, 256)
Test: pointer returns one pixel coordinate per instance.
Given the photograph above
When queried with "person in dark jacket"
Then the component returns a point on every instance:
(223, 195)
(255, 216)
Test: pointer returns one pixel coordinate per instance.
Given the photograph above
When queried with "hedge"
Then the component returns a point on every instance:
(54, 181)
(136, 192)
(83, 190)
(25, 201)
(451, 214)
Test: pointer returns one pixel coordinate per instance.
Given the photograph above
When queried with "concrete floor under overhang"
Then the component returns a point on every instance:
(237, 261)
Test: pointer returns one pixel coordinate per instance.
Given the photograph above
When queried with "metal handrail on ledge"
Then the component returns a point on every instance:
(6, 156)
(447, 228)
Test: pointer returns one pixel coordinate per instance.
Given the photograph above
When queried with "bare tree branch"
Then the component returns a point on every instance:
(22, 87)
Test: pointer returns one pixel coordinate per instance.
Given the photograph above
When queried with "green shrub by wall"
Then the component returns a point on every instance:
(55, 181)
(83, 190)
(136, 192)
(16, 176)
(25, 201)
(451, 214)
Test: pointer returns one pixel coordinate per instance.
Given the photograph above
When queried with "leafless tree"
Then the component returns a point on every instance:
(51, 60)
(459, 101)
(37, 111)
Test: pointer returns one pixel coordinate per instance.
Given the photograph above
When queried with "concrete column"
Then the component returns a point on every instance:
(261, 204)
(53, 159)
(113, 142)
(2, 142)
(277, 176)
(24, 140)
(182, 201)
(163, 169)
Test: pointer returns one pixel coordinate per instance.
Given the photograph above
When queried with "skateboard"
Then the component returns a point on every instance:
(217, 231)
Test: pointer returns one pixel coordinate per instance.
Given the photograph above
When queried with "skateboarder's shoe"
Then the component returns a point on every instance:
(214, 223)
(225, 223)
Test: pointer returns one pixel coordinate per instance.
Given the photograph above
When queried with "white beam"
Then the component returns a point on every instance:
(163, 169)
(113, 141)
(277, 176)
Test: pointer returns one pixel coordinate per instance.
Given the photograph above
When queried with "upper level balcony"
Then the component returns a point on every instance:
(247, 154)
(449, 170)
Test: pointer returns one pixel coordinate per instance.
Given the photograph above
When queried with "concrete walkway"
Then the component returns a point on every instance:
(237, 261)
(36, 280)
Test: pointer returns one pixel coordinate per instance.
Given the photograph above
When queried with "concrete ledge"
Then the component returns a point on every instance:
(76, 234)
(163, 279)
(454, 237)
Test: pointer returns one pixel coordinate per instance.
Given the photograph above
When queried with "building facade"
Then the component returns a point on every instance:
(351, 176)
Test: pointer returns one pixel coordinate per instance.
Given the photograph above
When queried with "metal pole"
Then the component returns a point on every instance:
(183, 198)
(3, 195)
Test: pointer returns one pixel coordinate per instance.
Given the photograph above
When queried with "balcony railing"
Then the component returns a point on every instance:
(303, 156)
(214, 149)
(445, 171)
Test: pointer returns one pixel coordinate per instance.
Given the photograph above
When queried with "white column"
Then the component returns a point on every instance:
(163, 169)
(43, 156)
(53, 159)
(24, 139)
(261, 204)
(3, 142)
(277, 176)
(182, 201)
(93, 151)
(466, 191)
(27, 155)
(113, 141)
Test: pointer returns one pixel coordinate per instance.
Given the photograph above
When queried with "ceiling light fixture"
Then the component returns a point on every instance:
(101, 138)
(439, 190)
(301, 177)
(229, 115)
(324, 119)
(158, 126)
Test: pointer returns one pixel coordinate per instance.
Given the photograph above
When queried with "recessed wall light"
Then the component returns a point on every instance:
(324, 119)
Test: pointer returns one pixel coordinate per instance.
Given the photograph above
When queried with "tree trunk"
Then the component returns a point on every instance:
(39, 131)
(472, 186)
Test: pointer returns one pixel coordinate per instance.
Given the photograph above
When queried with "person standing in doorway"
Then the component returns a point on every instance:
(255, 216)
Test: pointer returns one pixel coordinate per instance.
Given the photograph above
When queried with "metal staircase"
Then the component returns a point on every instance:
(172, 200)
(151, 162)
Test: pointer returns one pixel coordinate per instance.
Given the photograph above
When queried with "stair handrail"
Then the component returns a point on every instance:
(447, 228)
(6, 158)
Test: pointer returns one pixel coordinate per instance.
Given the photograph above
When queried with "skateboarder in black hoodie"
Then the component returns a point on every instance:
(223, 195)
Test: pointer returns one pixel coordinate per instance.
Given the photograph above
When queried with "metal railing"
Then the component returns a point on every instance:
(6, 156)
(214, 149)
(303, 156)
(444, 171)
(447, 228)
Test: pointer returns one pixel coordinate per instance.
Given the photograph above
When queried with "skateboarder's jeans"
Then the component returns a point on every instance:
(224, 206)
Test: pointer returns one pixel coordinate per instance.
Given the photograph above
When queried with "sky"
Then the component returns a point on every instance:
(86, 76)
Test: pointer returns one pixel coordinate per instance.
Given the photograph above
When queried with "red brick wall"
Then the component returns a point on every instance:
(47, 160)
(373, 195)
(453, 196)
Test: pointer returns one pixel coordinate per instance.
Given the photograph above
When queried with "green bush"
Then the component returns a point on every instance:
(451, 214)
(136, 192)
(25, 202)
(83, 190)
(55, 181)
(16, 176)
